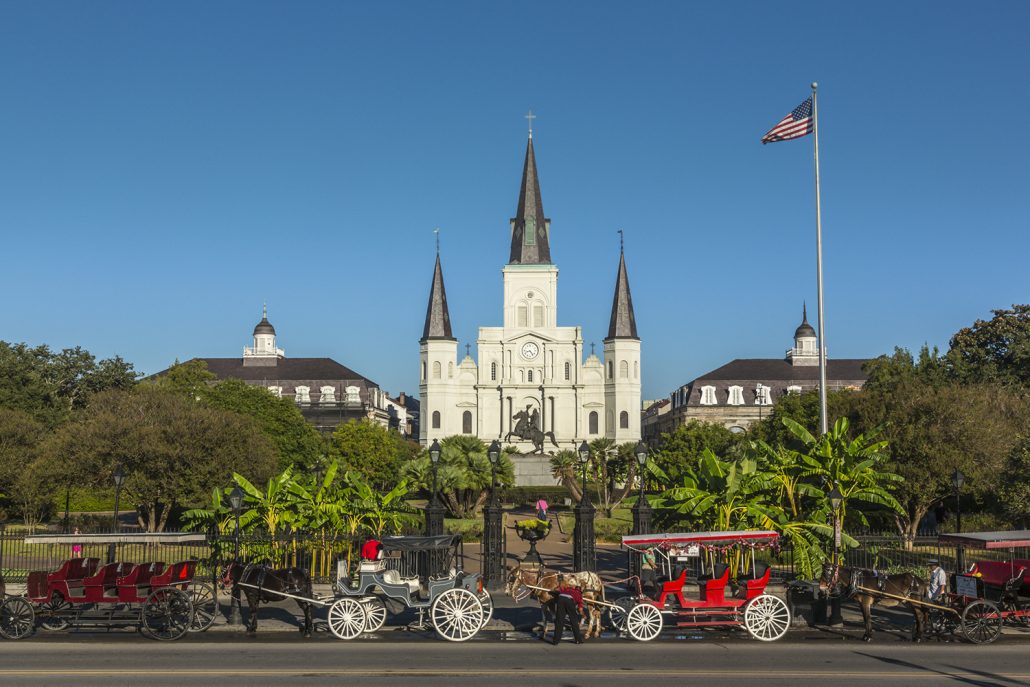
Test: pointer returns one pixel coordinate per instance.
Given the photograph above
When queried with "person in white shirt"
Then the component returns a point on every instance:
(938, 581)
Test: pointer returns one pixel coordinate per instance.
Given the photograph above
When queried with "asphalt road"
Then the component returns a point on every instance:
(286, 659)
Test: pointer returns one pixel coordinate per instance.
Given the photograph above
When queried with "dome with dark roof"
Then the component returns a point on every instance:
(264, 327)
(804, 329)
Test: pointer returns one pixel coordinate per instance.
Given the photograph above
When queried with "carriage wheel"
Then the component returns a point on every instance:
(205, 606)
(981, 622)
(766, 618)
(17, 619)
(346, 618)
(644, 622)
(617, 616)
(375, 613)
(487, 602)
(457, 614)
(166, 614)
(51, 613)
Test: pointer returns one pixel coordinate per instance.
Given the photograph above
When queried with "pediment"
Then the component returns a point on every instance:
(530, 336)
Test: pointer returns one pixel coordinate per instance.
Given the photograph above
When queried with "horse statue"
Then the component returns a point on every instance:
(588, 583)
(260, 583)
(527, 428)
(870, 588)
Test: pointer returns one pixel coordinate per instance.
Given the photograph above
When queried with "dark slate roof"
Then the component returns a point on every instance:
(778, 369)
(530, 247)
(623, 323)
(804, 329)
(285, 369)
(264, 327)
(438, 319)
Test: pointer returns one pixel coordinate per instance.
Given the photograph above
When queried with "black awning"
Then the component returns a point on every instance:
(443, 541)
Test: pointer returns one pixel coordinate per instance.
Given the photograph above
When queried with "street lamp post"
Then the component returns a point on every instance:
(434, 514)
(957, 480)
(641, 510)
(493, 542)
(583, 538)
(836, 498)
(119, 479)
(236, 502)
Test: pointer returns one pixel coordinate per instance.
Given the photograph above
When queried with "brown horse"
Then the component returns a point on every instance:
(260, 583)
(588, 583)
(838, 580)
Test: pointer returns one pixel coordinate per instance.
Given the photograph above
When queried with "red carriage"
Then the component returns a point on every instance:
(729, 593)
(162, 601)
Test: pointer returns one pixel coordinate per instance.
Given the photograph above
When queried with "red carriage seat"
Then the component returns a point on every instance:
(67, 580)
(673, 587)
(754, 583)
(103, 585)
(136, 585)
(713, 589)
(175, 574)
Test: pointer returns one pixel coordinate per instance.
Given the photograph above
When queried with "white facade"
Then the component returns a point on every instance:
(529, 364)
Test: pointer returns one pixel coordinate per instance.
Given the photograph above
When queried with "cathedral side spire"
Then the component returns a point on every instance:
(530, 244)
(623, 323)
(438, 319)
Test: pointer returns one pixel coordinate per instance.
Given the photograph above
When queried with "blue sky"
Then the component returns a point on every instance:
(167, 167)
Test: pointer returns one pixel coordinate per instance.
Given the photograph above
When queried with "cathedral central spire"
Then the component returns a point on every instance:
(530, 244)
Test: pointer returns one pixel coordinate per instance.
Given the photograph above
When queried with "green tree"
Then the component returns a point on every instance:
(464, 474)
(995, 350)
(614, 470)
(680, 451)
(296, 441)
(934, 425)
(1014, 491)
(50, 385)
(191, 378)
(371, 450)
(803, 409)
(172, 449)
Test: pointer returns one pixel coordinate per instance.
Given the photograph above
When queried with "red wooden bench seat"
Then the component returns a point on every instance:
(997, 573)
(136, 585)
(103, 585)
(673, 587)
(175, 574)
(754, 584)
(713, 590)
(66, 580)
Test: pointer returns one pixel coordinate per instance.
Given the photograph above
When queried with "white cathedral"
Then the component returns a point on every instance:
(534, 386)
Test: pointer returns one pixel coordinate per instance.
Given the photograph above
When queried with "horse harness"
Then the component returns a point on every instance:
(263, 572)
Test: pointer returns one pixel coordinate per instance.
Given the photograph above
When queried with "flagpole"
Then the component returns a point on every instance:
(823, 428)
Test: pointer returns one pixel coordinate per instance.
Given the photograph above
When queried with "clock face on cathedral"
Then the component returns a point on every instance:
(530, 350)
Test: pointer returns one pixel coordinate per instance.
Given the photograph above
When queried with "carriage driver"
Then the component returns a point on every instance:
(938, 581)
(569, 602)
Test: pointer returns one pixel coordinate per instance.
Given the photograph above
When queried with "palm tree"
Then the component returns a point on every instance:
(464, 474)
(564, 464)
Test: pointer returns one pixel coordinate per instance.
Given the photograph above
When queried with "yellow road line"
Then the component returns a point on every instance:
(315, 672)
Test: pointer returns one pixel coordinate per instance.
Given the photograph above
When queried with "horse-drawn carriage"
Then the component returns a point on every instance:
(456, 602)
(964, 608)
(162, 601)
(765, 617)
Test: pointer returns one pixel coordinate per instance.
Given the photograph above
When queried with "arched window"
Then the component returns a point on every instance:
(466, 422)
(423, 372)
(436, 369)
(302, 394)
(529, 376)
(538, 315)
(328, 394)
(436, 419)
(623, 369)
(636, 370)
(624, 420)
(568, 371)
(493, 372)
(450, 370)
(611, 369)
(522, 316)
(593, 422)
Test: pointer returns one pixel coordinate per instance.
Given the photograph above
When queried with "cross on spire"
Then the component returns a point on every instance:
(264, 311)
(591, 348)
(620, 240)
(436, 232)
(530, 116)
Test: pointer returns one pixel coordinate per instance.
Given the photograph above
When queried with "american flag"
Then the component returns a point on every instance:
(798, 123)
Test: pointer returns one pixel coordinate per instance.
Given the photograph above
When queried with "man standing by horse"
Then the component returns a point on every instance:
(568, 603)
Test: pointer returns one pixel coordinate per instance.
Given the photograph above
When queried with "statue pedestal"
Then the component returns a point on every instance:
(533, 470)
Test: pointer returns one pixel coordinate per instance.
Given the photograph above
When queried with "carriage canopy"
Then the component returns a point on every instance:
(989, 540)
(729, 538)
(406, 543)
(119, 538)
